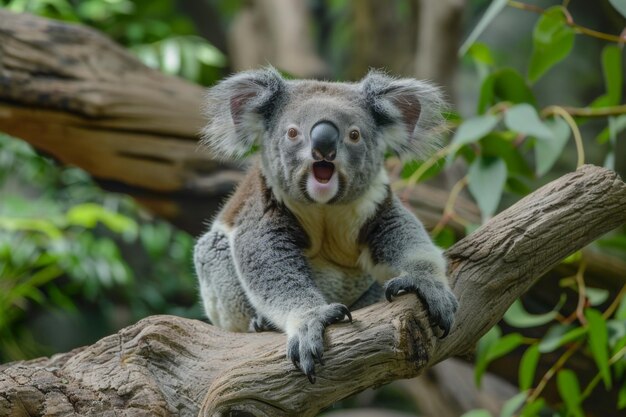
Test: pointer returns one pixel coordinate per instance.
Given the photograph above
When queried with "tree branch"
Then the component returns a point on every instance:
(166, 365)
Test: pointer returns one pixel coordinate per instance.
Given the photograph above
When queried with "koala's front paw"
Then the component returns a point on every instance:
(439, 300)
(305, 345)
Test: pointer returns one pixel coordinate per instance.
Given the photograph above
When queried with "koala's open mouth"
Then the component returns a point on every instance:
(323, 171)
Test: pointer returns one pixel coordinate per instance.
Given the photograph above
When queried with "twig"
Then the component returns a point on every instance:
(560, 111)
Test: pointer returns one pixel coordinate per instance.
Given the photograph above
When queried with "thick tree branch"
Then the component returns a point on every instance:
(167, 365)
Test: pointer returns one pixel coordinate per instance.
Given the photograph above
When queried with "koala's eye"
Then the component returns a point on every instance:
(292, 133)
(354, 135)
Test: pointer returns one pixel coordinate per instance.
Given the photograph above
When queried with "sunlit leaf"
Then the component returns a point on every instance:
(523, 118)
(548, 150)
(492, 11)
(89, 214)
(486, 179)
(552, 42)
(471, 130)
(528, 366)
(598, 343)
(569, 389)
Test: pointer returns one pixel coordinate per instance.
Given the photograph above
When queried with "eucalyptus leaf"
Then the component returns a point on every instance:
(552, 42)
(477, 413)
(528, 366)
(482, 348)
(548, 151)
(523, 118)
(471, 130)
(569, 389)
(559, 335)
(620, 6)
(486, 179)
(517, 316)
(492, 11)
(506, 84)
(512, 405)
(596, 296)
(598, 343)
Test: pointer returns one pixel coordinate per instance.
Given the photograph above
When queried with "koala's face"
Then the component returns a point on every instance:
(323, 145)
(321, 142)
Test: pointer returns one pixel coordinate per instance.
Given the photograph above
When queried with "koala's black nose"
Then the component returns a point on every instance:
(324, 138)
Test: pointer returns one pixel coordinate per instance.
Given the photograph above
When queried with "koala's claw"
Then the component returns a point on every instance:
(261, 324)
(305, 348)
(439, 300)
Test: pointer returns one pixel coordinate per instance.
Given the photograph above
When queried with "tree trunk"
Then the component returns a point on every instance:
(168, 365)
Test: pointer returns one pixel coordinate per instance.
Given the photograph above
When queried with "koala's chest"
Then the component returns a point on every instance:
(333, 234)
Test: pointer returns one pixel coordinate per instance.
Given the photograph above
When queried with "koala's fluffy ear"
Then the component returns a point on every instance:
(237, 109)
(407, 110)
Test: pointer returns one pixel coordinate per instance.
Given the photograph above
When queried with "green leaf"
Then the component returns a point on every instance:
(482, 349)
(504, 346)
(88, 215)
(569, 389)
(528, 366)
(616, 125)
(523, 118)
(596, 296)
(620, 6)
(486, 179)
(501, 144)
(480, 52)
(559, 335)
(477, 413)
(598, 343)
(533, 409)
(504, 85)
(517, 316)
(612, 68)
(513, 404)
(471, 130)
(495, 350)
(548, 150)
(552, 42)
(492, 11)
(620, 314)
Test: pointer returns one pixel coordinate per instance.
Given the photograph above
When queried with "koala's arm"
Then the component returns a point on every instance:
(277, 280)
(397, 240)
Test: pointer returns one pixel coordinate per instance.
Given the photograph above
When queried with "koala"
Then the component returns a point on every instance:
(314, 231)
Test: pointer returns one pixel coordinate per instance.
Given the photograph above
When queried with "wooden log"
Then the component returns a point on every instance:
(172, 366)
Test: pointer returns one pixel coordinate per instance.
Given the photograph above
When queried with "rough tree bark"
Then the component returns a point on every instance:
(168, 365)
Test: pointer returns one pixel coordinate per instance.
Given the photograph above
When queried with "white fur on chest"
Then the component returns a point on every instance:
(333, 230)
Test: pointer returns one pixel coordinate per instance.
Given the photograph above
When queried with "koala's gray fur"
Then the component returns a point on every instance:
(308, 233)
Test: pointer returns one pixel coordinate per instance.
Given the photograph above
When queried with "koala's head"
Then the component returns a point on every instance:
(321, 142)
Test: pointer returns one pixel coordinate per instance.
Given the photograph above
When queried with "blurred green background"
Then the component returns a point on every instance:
(78, 263)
